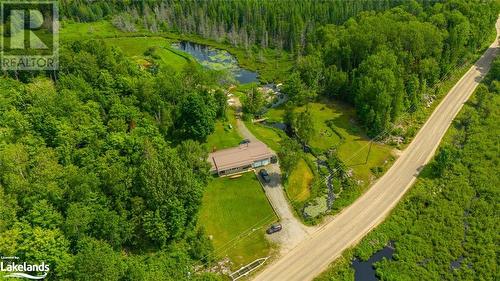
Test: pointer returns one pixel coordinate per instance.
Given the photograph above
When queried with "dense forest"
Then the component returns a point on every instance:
(385, 63)
(101, 173)
(380, 56)
(280, 24)
(446, 228)
(102, 167)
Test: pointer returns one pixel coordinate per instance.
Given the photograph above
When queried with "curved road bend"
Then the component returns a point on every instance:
(312, 256)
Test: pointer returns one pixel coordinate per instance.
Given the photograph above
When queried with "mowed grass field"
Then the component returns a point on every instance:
(299, 182)
(235, 214)
(223, 136)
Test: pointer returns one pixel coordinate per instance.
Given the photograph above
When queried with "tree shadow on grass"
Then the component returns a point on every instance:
(346, 120)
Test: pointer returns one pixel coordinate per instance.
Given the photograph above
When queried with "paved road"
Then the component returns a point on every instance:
(313, 256)
(293, 231)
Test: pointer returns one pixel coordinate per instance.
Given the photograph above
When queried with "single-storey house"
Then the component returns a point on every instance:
(240, 159)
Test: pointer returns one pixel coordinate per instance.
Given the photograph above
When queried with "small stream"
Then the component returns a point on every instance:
(328, 182)
(217, 59)
(323, 203)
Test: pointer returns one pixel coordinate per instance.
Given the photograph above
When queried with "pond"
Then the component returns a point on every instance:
(217, 59)
(364, 270)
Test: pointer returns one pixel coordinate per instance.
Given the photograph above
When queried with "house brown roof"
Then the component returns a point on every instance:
(236, 157)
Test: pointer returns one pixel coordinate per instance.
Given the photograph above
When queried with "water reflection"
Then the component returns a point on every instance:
(364, 270)
(217, 59)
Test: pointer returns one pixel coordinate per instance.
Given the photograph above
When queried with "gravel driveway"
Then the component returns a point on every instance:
(293, 230)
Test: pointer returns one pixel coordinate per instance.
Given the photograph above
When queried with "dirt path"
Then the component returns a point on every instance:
(293, 231)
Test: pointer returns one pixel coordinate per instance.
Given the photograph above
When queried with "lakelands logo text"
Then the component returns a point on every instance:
(23, 270)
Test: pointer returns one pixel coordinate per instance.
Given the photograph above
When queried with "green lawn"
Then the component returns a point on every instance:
(352, 144)
(235, 213)
(324, 137)
(361, 156)
(223, 136)
(298, 185)
(270, 136)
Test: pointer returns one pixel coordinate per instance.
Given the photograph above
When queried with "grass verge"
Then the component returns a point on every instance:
(298, 186)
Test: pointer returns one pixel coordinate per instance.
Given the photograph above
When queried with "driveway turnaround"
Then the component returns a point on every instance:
(293, 231)
(313, 255)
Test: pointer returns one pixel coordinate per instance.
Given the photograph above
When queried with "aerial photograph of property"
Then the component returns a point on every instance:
(251, 140)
